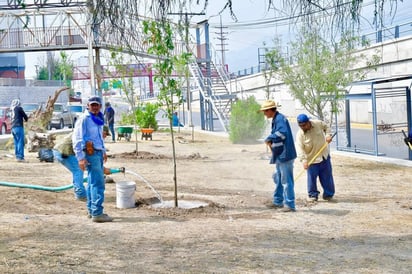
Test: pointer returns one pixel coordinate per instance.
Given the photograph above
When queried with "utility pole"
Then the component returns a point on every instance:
(222, 38)
(188, 97)
(91, 60)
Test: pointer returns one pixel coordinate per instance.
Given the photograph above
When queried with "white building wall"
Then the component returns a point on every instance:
(396, 60)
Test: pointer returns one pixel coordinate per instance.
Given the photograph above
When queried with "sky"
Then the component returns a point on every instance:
(242, 41)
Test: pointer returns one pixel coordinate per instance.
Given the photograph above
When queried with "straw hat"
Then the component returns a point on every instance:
(269, 104)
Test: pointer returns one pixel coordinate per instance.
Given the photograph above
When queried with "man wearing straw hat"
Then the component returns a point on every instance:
(312, 142)
(283, 150)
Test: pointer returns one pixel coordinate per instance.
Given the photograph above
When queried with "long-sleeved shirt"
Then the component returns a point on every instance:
(18, 115)
(283, 147)
(310, 142)
(109, 115)
(87, 130)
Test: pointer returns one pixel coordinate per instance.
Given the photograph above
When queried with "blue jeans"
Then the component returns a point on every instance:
(18, 137)
(70, 162)
(95, 183)
(111, 128)
(324, 171)
(284, 184)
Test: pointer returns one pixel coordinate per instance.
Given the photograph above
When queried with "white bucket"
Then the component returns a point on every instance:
(125, 194)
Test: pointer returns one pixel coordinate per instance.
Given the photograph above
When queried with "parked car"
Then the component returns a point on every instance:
(5, 120)
(61, 117)
(76, 111)
(31, 107)
(76, 98)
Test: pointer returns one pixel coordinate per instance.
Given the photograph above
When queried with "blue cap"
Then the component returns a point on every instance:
(95, 100)
(302, 118)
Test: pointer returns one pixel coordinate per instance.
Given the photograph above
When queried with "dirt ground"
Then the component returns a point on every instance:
(368, 229)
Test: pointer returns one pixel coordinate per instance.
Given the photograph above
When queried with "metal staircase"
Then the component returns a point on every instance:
(67, 28)
(215, 98)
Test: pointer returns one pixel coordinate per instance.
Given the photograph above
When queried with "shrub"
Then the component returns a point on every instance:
(146, 115)
(246, 123)
(127, 119)
(143, 115)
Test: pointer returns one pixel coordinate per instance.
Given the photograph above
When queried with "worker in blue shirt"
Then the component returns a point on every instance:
(283, 150)
(175, 120)
(88, 145)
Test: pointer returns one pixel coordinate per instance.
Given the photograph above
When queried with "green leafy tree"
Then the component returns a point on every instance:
(60, 69)
(121, 74)
(43, 73)
(246, 123)
(159, 38)
(269, 70)
(118, 63)
(320, 72)
(64, 68)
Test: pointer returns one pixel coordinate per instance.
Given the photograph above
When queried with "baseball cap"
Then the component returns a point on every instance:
(95, 100)
(302, 118)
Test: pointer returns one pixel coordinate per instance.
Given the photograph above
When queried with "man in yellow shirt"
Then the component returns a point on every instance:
(313, 152)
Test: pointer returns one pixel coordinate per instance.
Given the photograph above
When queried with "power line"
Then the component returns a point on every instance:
(275, 21)
(222, 37)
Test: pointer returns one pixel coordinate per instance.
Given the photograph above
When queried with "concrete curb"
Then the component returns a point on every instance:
(380, 159)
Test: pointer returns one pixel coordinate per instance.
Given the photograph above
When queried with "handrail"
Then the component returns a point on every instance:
(197, 74)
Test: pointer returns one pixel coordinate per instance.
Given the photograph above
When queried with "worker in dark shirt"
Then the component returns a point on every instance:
(109, 119)
(17, 129)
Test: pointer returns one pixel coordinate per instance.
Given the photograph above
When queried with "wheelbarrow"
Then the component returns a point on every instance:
(147, 133)
(124, 132)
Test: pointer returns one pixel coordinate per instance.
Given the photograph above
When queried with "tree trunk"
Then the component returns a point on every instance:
(36, 126)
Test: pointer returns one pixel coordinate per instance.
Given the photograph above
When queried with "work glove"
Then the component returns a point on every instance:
(407, 141)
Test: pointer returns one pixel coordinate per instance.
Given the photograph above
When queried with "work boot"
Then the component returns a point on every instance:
(311, 199)
(328, 198)
(274, 206)
(287, 209)
(82, 199)
(102, 218)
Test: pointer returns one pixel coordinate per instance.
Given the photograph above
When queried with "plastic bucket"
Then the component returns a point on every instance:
(125, 194)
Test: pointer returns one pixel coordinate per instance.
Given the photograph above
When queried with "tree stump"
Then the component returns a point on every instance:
(36, 141)
(36, 126)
